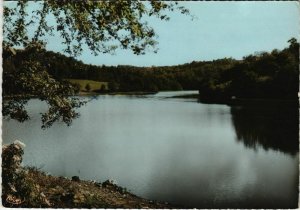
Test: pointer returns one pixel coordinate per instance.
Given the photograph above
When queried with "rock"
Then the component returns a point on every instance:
(20, 144)
(109, 182)
(75, 178)
(78, 198)
(13, 200)
(67, 197)
(47, 202)
(98, 184)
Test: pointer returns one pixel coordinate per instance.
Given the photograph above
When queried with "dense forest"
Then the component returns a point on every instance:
(260, 75)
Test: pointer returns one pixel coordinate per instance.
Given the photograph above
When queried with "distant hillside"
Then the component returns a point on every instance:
(268, 75)
(128, 78)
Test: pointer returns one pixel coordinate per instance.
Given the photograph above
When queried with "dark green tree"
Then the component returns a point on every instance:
(88, 87)
(103, 88)
(113, 86)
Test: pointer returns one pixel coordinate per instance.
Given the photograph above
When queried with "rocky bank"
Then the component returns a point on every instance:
(31, 188)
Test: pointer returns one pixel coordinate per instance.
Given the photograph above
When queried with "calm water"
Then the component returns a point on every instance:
(175, 150)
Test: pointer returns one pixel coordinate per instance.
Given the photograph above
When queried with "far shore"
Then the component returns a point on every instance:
(84, 93)
(208, 100)
(92, 93)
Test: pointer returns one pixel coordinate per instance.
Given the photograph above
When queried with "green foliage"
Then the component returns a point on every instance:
(18, 189)
(100, 25)
(267, 75)
(264, 75)
(30, 78)
(103, 88)
(82, 84)
(87, 87)
(113, 86)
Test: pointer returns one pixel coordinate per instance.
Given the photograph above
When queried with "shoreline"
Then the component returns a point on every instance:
(236, 101)
(91, 93)
(81, 93)
(206, 100)
(28, 187)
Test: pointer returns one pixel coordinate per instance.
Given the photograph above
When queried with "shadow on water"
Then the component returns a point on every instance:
(268, 124)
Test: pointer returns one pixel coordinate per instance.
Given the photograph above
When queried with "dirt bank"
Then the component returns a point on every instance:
(31, 188)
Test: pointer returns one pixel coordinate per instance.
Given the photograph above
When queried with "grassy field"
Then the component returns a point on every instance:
(94, 85)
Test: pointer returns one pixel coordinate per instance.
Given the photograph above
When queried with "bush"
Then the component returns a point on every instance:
(87, 87)
(17, 189)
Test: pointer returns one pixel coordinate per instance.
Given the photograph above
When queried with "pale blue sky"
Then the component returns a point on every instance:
(221, 29)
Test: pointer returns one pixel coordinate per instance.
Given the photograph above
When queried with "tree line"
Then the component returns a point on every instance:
(260, 75)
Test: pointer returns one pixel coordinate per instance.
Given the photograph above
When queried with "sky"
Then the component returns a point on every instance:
(220, 29)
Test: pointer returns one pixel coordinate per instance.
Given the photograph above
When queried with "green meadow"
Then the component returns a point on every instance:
(94, 85)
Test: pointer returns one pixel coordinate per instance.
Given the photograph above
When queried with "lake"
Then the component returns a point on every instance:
(177, 150)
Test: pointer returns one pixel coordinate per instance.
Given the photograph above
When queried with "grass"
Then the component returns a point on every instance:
(94, 85)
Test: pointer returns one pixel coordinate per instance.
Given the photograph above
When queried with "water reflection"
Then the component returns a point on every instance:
(271, 125)
(165, 149)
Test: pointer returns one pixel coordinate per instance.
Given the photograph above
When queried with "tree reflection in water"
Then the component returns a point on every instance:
(267, 124)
